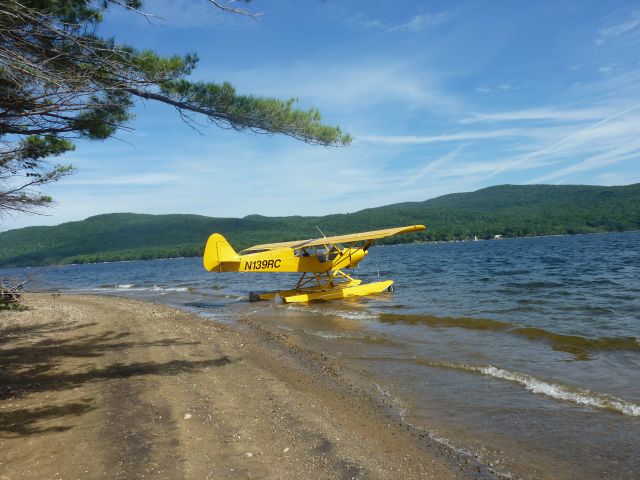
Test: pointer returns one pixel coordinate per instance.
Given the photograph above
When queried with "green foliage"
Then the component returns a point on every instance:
(102, 115)
(35, 147)
(506, 210)
(60, 80)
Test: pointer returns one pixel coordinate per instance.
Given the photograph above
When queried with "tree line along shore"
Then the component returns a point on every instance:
(505, 210)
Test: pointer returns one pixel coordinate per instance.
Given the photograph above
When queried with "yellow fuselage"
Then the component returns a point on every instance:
(286, 260)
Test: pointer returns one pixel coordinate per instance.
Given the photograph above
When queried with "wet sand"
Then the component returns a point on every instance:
(97, 387)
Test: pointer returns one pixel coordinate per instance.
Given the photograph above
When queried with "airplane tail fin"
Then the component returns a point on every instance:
(218, 251)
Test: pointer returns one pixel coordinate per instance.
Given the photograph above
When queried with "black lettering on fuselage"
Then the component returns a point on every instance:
(262, 264)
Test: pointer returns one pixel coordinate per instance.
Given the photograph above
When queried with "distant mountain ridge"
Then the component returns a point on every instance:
(507, 210)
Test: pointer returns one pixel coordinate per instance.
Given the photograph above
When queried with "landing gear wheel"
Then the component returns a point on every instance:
(390, 288)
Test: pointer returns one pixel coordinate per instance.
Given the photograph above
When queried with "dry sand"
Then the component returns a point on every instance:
(96, 387)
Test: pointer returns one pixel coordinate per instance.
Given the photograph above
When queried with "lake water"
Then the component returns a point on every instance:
(524, 352)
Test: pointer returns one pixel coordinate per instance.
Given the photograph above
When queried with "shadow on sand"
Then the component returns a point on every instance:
(31, 362)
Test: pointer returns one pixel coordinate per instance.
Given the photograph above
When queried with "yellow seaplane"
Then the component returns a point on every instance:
(321, 262)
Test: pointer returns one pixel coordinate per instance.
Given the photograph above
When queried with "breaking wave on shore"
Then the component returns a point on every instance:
(551, 389)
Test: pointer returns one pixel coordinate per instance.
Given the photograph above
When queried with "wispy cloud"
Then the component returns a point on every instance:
(360, 22)
(610, 157)
(446, 137)
(604, 140)
(500, 87)
(419, 22)
(416, 23)
(122, 180)
(619, 29)
(347, 85)
(431, 167)
(550, 114)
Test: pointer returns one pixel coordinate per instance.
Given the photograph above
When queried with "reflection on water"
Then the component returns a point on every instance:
(525, 351)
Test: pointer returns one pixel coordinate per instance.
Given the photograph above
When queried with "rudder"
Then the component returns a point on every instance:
(217, 251)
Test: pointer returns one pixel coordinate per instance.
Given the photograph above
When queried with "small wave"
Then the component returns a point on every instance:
(536, 285)
(554, 390)
(511, 272)
(328, 335)
(576, 345)
(601, 281)
(132, 287)
(118, 287)
(354, 315)
(348, 315)
(367, 339)
(595, 310)
(157, 288)
(395, 402)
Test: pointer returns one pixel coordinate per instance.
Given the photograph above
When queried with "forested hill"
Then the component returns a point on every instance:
(507, 210)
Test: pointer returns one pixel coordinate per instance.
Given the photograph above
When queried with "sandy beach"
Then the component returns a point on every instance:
(98, 387)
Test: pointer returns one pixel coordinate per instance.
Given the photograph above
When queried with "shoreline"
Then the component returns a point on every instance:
(111, 387)
(377, 245)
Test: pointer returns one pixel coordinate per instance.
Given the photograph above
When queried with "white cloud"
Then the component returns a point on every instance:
(550, 114)
(134, 179)
(485, 88)
(348, 86)
(431, 167)
(446, 137)
(606, 159)
(605, 140)
(619, 29)
(360, 22)
(419, 22)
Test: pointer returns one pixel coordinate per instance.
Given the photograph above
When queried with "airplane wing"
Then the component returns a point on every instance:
(349, 238)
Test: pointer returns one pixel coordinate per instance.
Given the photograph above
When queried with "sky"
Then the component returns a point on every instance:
(440, 97)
